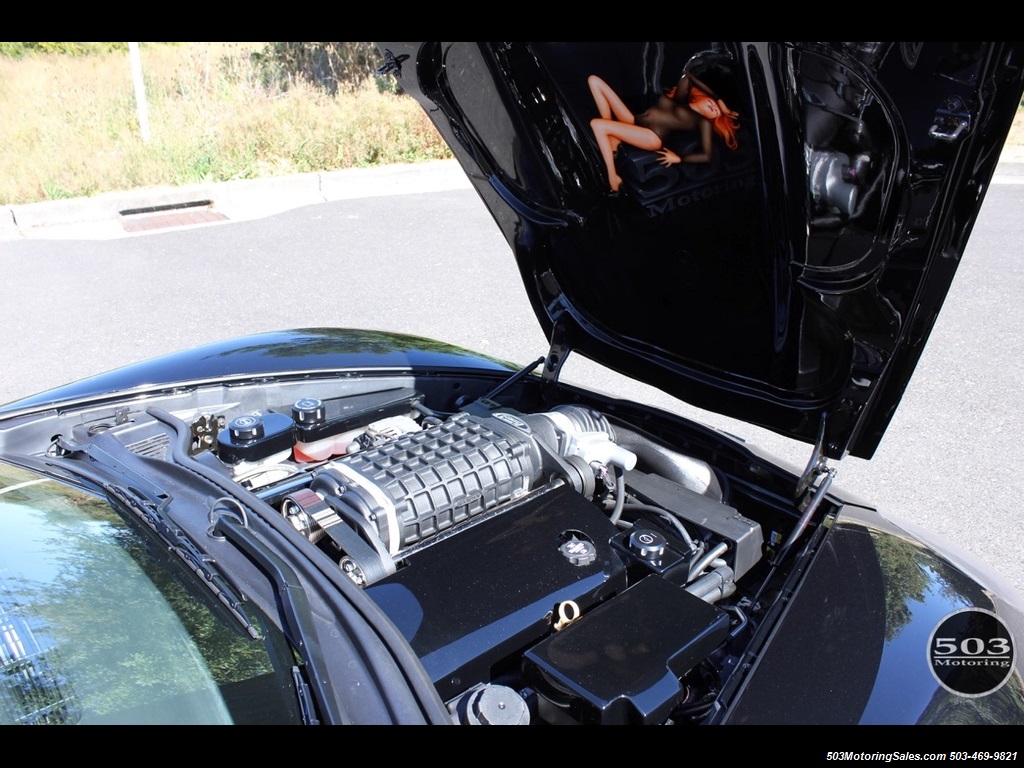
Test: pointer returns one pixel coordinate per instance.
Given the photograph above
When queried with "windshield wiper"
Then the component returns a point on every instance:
(154, 496)
(149, 502)
(295, 611)
(152, 513)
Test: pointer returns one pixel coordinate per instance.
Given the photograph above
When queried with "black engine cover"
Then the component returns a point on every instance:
(470, 602)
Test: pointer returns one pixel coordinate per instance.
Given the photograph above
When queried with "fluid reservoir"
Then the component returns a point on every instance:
(326, 428)
(255, 437)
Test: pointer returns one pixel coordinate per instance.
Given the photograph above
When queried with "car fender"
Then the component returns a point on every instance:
(851, 646)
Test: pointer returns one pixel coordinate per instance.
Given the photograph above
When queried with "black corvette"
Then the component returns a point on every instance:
(352, 526)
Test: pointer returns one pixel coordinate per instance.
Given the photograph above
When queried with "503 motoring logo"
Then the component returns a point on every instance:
(971, 652)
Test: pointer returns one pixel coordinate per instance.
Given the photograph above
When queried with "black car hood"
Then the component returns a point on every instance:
(781, 262)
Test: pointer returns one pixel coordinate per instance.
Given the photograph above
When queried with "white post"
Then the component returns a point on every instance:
(140, 91)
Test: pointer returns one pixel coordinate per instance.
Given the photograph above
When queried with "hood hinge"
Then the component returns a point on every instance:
(392, 64)
(952, 120)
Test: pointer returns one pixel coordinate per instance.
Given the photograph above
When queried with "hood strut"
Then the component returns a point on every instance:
(812, 494)
(518, 376)
(817, 463)
(558, 353)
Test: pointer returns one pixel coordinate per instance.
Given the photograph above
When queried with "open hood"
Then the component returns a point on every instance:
(763, 230)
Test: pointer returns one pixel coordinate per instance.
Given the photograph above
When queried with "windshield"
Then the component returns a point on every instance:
(96, 625)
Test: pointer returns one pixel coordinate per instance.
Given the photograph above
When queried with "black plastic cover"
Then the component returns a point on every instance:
(468, 604)
(622, 664)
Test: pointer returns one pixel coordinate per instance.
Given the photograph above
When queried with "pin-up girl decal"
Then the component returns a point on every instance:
(690, 105)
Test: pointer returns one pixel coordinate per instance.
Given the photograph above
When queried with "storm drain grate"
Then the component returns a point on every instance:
(171, 215)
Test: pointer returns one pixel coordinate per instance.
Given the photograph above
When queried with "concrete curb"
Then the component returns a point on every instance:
(102, 216)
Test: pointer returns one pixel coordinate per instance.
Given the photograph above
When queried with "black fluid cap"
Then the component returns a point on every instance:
(648, 545)
(246, 428)
(309, 410)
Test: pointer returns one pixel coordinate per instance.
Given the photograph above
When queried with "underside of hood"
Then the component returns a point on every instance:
(763, 230)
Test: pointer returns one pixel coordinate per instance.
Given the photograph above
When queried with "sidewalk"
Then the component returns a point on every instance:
(118, 214)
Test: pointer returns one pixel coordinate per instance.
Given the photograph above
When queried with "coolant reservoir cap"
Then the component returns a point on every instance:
(309, 410)
(246, 428)
(497, 705)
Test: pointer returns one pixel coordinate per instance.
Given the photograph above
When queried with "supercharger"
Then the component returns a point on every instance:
(418, 485)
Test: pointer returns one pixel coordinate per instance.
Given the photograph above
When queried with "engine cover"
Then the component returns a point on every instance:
(623, 663)
(469, 603)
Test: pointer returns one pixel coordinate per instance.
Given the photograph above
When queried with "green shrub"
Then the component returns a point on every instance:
(329, 66)
(16, 50)
(12, 50)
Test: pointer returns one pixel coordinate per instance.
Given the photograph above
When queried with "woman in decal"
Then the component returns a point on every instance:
(689, 105)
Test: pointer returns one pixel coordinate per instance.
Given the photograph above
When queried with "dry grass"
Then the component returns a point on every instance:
(70, 127)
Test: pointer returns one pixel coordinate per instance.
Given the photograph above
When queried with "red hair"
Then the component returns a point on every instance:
(725, 125)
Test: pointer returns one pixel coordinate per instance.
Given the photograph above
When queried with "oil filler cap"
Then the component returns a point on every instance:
(579, 552)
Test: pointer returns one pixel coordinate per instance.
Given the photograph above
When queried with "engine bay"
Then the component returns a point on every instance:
(552, 564)
(451, 510)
